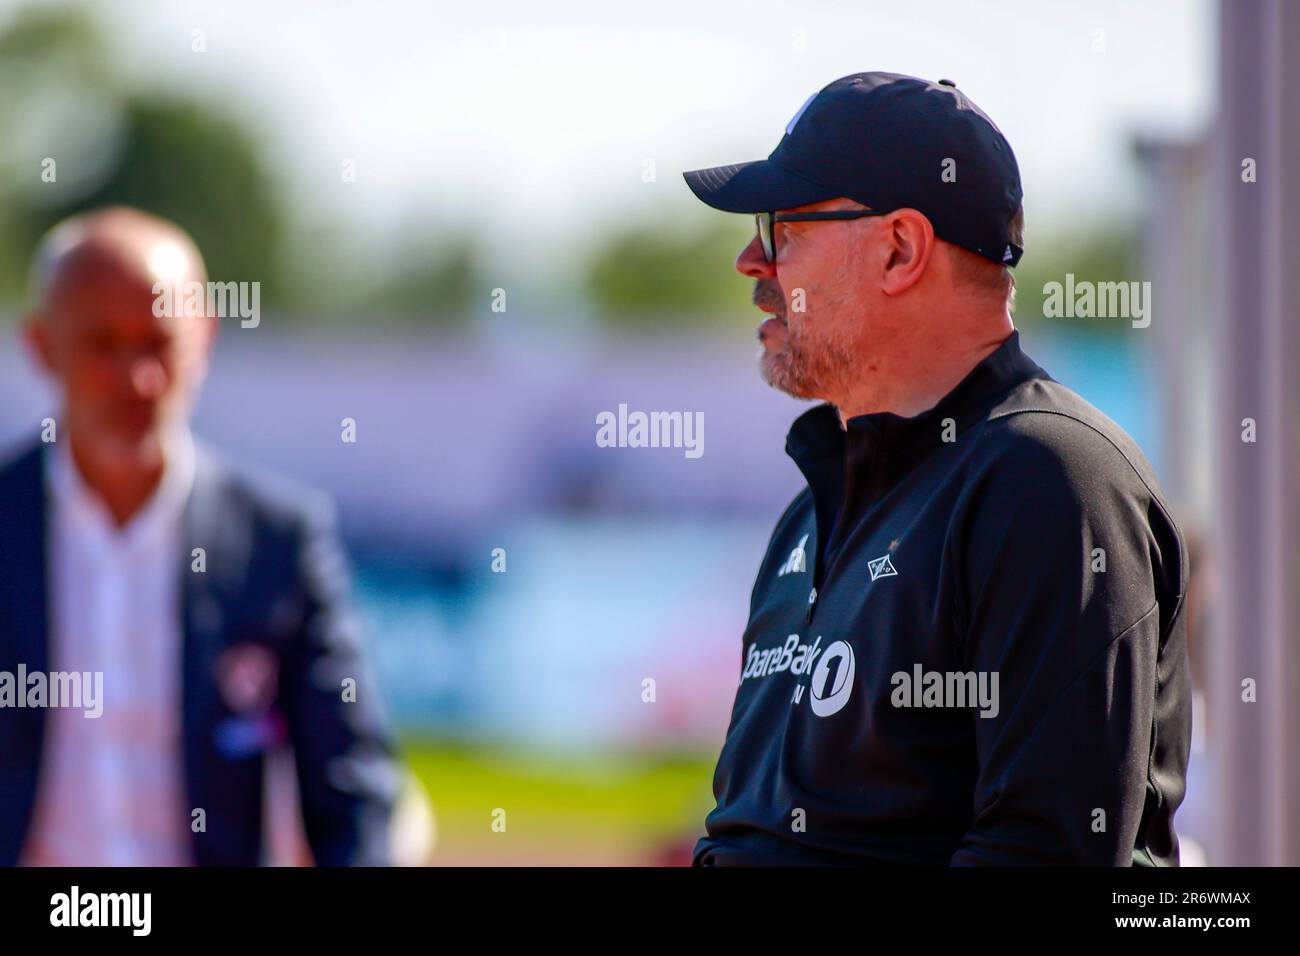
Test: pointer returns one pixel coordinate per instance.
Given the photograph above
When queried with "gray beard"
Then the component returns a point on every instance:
(805, 369)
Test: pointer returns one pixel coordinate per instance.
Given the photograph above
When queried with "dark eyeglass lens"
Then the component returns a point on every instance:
(765, 234)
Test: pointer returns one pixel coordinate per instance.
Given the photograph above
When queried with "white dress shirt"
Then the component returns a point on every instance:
(111, 790)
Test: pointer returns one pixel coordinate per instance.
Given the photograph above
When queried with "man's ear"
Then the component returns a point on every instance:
(36, 335)
(911, 243)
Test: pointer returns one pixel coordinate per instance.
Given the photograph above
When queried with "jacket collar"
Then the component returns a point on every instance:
(85, 509)
(878, 446)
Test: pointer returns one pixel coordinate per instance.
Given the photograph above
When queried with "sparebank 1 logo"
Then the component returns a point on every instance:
(832, 680)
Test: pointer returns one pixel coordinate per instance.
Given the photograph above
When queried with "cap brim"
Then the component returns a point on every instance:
(760, 186)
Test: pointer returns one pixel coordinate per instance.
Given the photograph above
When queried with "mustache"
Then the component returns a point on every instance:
(768, 293)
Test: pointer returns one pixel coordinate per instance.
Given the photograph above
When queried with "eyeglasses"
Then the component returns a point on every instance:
(767, 223)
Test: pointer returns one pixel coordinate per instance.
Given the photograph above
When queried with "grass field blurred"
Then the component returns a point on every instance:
(630, 808)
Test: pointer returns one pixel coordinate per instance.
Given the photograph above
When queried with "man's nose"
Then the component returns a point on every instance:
(751, 261)
(148, 377)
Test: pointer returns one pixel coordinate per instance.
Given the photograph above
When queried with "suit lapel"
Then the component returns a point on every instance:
(24, 572)
(24, 633)
(25, 563)
(202, 617)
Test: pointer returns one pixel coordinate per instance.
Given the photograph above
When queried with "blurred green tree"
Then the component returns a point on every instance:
(182, 160)
(191, 160)
(178, 157)
(1093, 253)
(654, 272)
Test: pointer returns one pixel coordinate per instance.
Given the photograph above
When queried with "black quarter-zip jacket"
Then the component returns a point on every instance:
(966, 643)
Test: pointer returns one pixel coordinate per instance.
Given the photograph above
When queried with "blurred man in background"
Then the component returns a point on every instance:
(213, 602)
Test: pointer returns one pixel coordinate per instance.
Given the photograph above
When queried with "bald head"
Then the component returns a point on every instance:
(118, 239)
(127, 371)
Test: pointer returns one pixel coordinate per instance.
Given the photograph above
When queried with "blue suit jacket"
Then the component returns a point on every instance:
(275, 577)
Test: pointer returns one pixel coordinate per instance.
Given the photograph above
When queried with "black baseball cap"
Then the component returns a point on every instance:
(887, 141)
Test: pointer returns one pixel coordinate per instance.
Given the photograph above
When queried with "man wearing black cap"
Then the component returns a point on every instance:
(966, 642)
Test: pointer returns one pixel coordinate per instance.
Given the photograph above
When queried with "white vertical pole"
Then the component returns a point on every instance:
(1256, 539)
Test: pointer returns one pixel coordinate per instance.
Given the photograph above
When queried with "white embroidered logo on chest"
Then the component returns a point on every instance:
(882, 568)
(797, 562)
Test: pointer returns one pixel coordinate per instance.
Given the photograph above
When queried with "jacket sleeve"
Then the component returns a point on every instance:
(348, 776)
(1060, 576)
